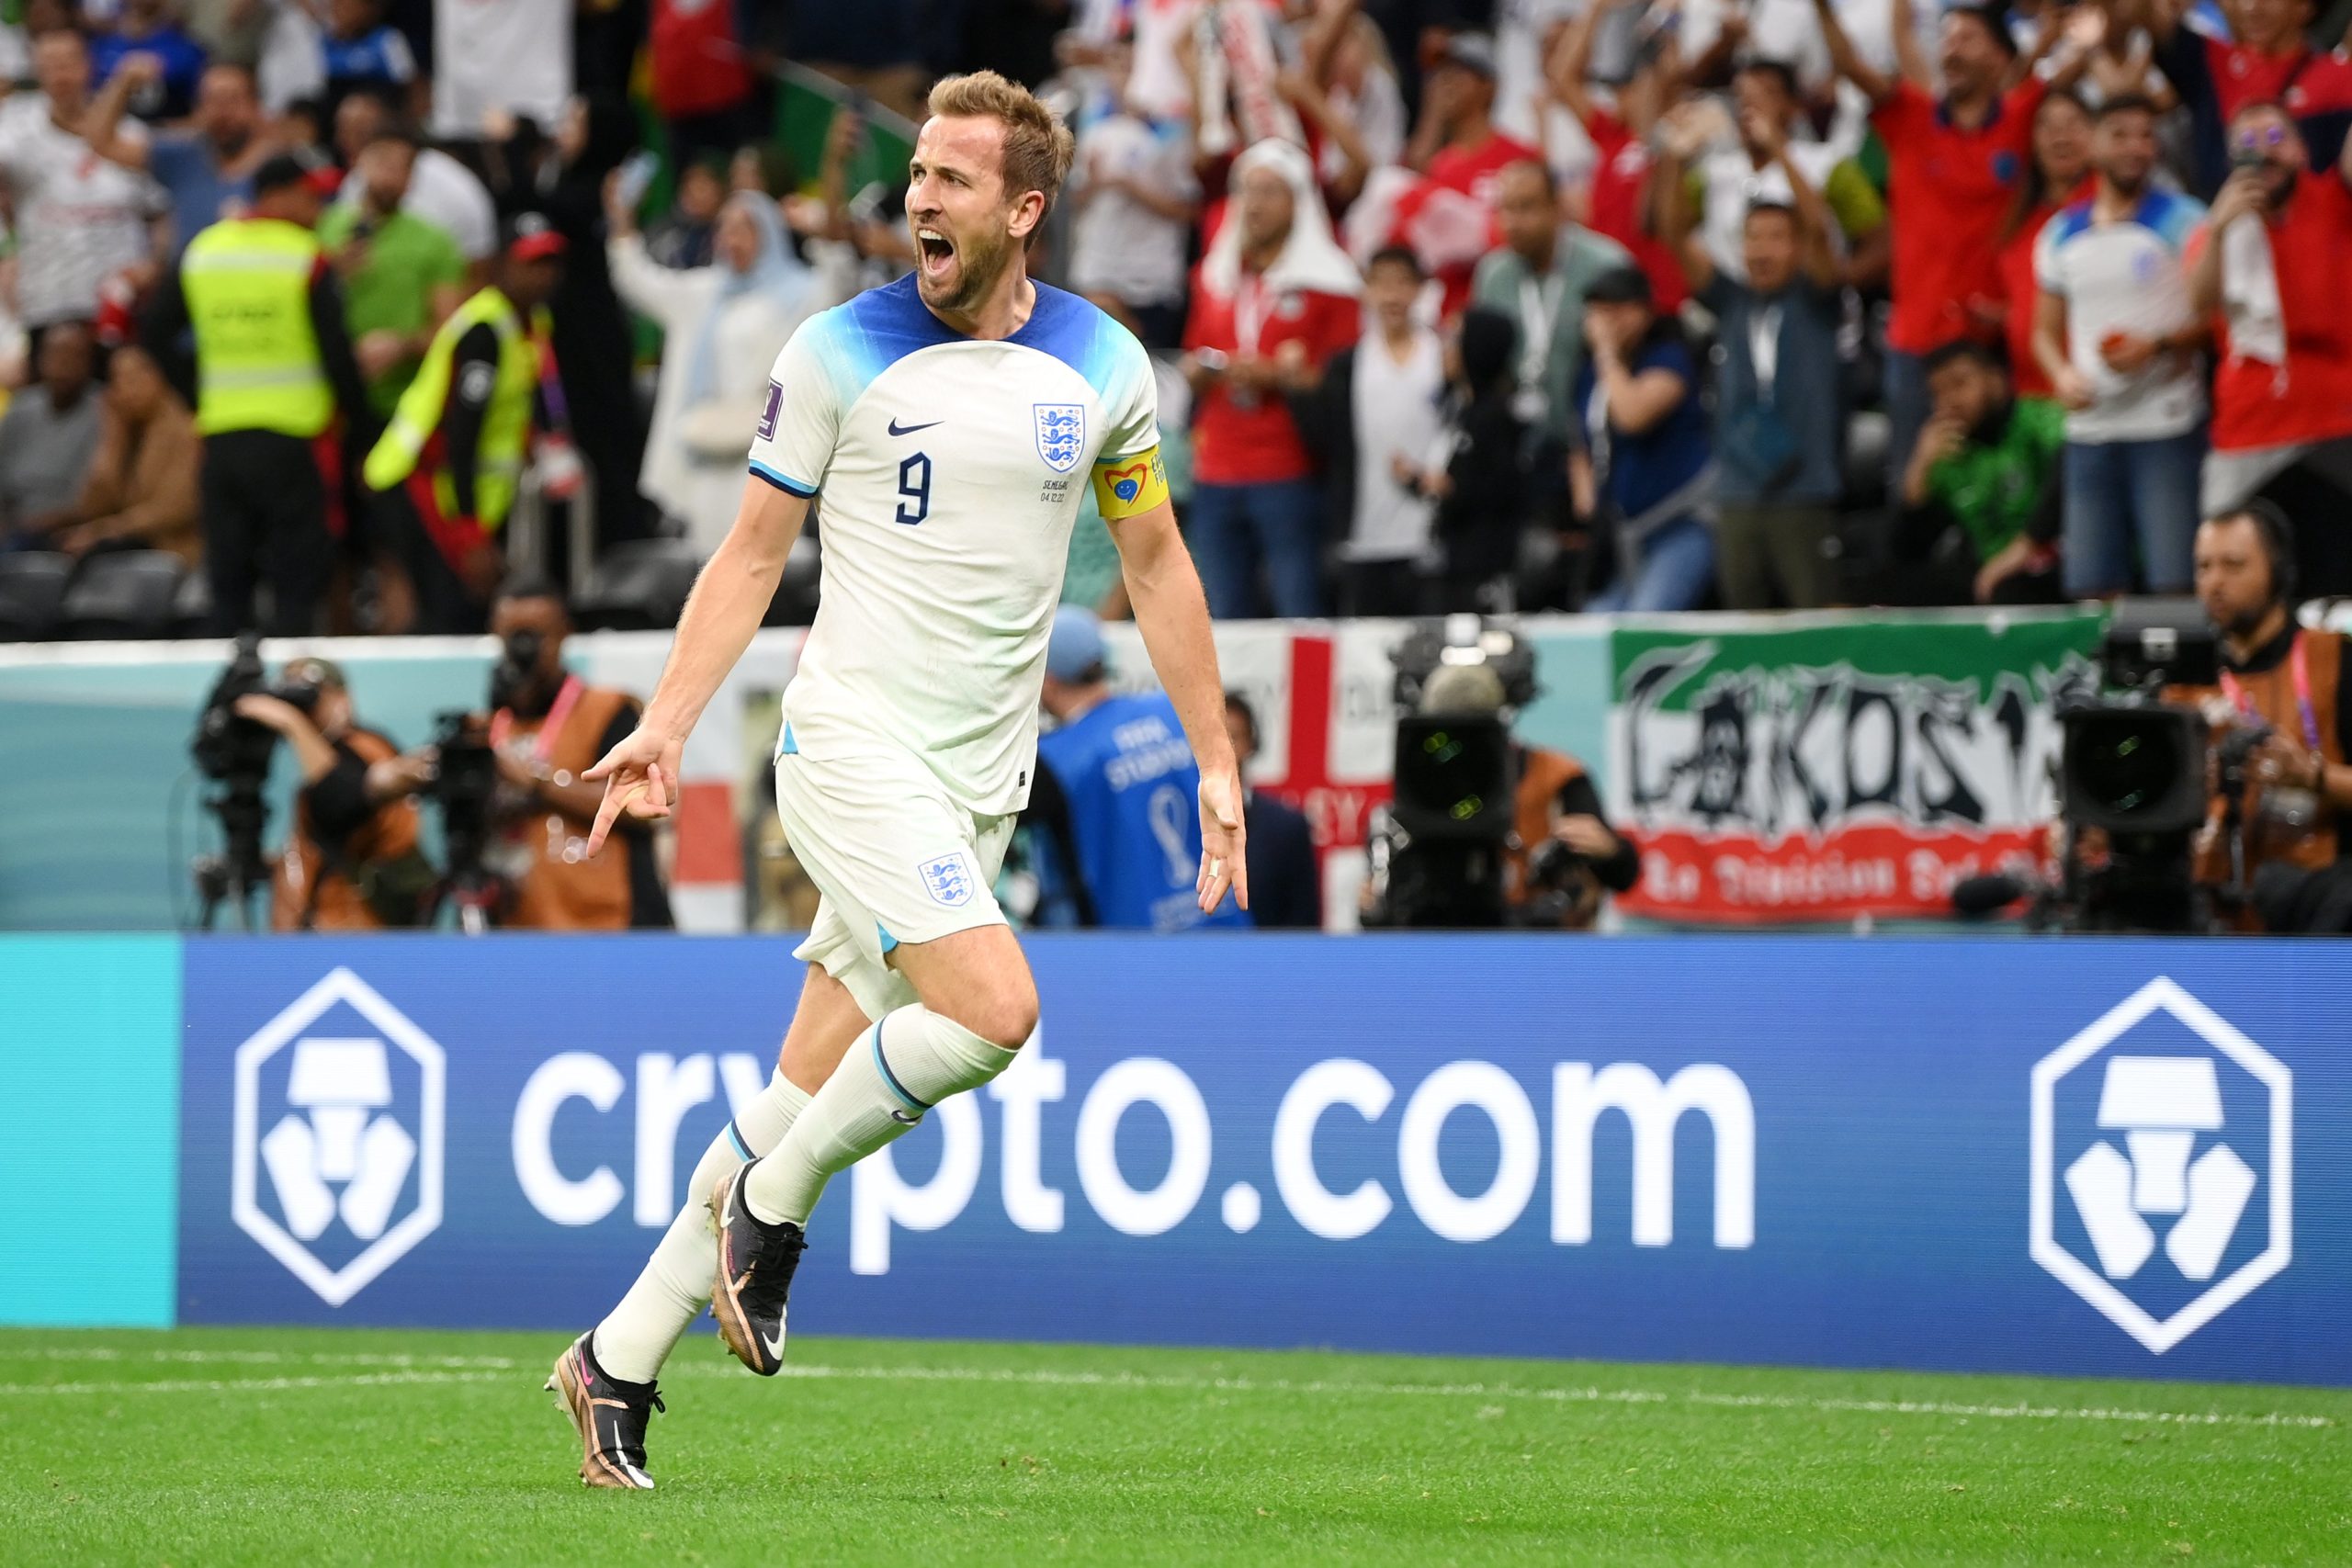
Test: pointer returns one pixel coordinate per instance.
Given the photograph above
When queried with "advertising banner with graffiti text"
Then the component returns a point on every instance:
(1810, 768)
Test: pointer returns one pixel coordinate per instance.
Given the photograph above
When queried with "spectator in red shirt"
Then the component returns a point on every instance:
(2266, 59)
(1273, 300)
(1617, 204)
(2059, 175)
(1952, 171)
(1459, 156)
(2270, 261)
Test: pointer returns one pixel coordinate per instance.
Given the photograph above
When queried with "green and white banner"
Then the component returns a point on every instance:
(1803, 768)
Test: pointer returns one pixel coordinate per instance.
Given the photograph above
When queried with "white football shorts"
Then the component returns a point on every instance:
(894, 858)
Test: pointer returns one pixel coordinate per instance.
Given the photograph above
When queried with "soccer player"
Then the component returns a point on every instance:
(948, 420)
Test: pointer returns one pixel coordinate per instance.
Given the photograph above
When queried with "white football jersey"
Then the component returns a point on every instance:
(948, 472)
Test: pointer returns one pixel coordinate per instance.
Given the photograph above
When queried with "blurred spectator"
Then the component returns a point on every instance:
(402, 275)
(2267, 58)
(1274, 299)
(1477, 477)
(684, 237)
(448, 467)
(47, 438)
(560, 178)
(1779, 424)
(230, 32)
(2271, 261)
(1348, 60)
(1285, 879)
(208, 169)
(360, 53)
(1136, 201)
(697, 69)
(1763, 156)
(1643, 472)
(1537, 277)
(723, 326)
(82, 211)
(492, 58)
(273, 368)
(141, 488)
(148, 27)
(1116, 797)
(1455, 144)
(1617, 199)
(2118, 337)
(1450, 218)
(2058, 174)
(1953, 167)
(1987, 461)
(554, 728)
(875, 48)
(352, 861)
(1376, 422)
(441, 191)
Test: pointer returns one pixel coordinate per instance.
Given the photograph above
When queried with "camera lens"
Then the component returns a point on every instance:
(2124, 764)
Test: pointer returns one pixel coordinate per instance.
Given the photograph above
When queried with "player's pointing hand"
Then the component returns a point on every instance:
(641, 777)
(1223, 862)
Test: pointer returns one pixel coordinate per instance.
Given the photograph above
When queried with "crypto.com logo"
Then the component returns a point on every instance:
(2159, 1107)
(336, 1150)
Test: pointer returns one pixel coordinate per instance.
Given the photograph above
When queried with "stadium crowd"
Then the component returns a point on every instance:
(1618, 305)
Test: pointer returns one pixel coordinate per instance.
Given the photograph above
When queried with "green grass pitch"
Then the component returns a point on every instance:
(209, 1446)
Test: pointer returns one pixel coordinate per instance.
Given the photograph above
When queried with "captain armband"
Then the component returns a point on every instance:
(1131, 488)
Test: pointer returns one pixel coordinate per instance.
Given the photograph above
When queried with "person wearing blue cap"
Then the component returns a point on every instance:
(1115, 839)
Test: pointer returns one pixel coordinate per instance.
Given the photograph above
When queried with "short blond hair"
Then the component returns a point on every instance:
(1037, 146)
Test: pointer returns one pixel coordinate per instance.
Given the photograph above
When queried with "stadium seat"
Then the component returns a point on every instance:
(126, 594)
(192, 606)
(32, 585)
(639, 586)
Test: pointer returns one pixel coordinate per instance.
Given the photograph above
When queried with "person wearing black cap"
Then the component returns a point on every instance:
(1644, 466)
(449, 467)
(274, 367)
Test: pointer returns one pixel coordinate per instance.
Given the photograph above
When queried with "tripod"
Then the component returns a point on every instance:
(239, 870)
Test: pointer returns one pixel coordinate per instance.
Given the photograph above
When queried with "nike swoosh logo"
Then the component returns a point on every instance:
(909, 1121)
(775, 1348)
(898, 429)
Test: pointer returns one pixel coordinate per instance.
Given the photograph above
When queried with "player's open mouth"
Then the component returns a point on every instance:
(938, 251)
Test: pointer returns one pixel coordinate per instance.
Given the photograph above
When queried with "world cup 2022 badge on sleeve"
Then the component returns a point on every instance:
(2163, 1164)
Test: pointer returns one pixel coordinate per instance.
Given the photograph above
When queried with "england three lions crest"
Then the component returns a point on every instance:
(1061, 435)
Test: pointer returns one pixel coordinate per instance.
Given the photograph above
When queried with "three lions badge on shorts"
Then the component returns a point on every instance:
(949, 880)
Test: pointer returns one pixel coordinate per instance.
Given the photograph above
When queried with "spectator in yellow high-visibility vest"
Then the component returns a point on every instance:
(274, 367)
(450, 463)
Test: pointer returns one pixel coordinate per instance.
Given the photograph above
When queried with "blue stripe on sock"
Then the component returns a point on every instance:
(735, 1137)
(892, 1078)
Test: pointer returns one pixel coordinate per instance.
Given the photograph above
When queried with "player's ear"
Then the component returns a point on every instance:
(1028, 213)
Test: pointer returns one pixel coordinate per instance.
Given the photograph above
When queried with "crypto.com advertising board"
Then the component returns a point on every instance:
(2098, 1158)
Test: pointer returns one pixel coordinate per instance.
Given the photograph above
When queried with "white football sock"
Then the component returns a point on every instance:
(637, 1336)
(902, 1068)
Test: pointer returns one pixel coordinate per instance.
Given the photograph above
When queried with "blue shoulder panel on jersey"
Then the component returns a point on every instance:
(2069, 222)
(862, 339)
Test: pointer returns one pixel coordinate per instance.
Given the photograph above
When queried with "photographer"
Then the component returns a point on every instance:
(547, 726)
(352, 861)
(2278, 677)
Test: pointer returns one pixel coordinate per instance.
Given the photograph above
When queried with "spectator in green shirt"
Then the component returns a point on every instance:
(1988, 461)
(401, 274)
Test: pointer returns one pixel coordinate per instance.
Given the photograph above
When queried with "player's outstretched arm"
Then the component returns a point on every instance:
(729, 600)
(1173, 616)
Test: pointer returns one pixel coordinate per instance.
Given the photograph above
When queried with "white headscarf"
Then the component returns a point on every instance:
(1311, 261)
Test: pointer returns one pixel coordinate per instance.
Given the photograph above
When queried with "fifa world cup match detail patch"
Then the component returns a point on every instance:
(1132, 488)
